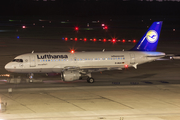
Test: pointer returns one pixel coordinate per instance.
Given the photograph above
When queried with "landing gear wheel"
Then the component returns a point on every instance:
(90, 80)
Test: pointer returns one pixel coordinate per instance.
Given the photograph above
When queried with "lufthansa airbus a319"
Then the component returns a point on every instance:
(73, 66)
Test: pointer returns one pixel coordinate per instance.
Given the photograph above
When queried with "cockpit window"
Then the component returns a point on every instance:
(17, 60)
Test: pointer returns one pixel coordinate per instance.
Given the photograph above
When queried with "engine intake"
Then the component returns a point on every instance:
(70, 75)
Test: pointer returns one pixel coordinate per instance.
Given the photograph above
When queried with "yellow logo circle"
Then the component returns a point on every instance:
(152, 36)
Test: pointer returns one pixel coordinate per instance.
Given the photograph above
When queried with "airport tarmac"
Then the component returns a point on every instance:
(150, 92)
(147, 102)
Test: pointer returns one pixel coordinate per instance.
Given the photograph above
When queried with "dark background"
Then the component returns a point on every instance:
(84, 8)
(47, 22)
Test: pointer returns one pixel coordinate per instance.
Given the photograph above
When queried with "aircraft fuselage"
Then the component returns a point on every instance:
(56, 62)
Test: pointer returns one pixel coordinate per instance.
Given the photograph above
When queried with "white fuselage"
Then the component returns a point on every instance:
(58, 61)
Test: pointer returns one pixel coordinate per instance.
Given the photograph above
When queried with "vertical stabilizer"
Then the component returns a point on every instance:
(150, 39)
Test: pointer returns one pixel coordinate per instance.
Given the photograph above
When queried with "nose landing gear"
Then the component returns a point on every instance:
(30, 76)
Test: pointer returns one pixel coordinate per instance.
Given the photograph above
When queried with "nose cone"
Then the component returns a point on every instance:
(8, 67)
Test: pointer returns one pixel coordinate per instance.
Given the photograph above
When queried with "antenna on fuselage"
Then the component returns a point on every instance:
(32, 51)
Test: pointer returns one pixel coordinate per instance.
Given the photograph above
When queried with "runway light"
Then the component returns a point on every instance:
(66, 38)
(94, 39)
(17, 37)
(105, 27)
(113, 40)
(134, 41)
(75, 39)
(76, 28)
(102, 25)
(104, 40)
(23, 26)
(85, 39)
(4, 75)
(123, 41)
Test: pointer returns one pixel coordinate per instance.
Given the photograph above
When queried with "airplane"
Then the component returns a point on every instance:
(75, 65)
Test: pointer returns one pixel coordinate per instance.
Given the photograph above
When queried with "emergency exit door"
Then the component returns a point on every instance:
(132, 58)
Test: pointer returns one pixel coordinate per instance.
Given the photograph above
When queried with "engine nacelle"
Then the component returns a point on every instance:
(70, 75)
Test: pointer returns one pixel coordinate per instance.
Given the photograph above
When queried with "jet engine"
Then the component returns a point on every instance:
(70, 75)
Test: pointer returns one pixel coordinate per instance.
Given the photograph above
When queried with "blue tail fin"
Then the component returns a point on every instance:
(150, 39)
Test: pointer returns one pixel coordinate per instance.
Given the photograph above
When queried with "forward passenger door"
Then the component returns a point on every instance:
(32, 61)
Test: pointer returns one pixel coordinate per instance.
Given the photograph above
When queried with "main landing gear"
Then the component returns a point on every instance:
(90, 80)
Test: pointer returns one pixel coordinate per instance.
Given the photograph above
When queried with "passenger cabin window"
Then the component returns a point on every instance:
(17, 60)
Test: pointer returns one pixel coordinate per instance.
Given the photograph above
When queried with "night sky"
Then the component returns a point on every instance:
(84, 8)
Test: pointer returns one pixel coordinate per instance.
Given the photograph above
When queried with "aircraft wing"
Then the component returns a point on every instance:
(88, 69)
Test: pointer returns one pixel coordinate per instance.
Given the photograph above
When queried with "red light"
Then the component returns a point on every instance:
(76, 28)
(126, 66)
(104, 40)
(113, 40)
(123, 40)
(85, 39)
(134, 41)
(94, 39)
(75, 39)
(72, 51)
(105, 27)
(66, 38)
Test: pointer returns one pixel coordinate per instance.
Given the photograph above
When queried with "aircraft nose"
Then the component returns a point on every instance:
(7, 66)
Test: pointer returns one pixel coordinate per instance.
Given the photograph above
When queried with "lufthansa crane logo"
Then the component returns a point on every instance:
(152, 36)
